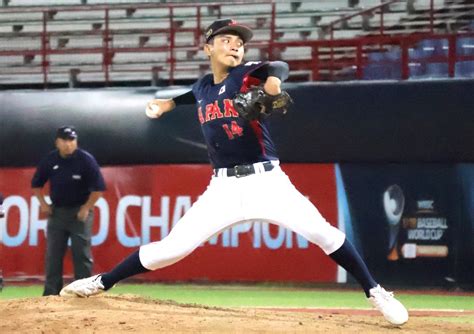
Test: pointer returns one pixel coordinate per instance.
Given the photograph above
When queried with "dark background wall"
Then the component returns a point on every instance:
(425, 121)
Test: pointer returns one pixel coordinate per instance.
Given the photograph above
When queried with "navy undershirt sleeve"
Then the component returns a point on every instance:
(277, 69)
(186, 98)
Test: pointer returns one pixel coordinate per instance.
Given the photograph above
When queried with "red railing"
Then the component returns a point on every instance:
(107, 50)
(380, 10)
(404, 42)
(316, 65)
(346, 18)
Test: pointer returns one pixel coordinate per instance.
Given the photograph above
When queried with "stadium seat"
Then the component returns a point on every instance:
(465, 46)
(436, 70)
(426, 47)
(376, 68)
(296, 21)
(375, 72)
(416, 70)
(395, 63)
(43, 2)
(464, 69)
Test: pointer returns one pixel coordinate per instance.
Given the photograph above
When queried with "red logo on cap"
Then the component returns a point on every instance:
(233, 23)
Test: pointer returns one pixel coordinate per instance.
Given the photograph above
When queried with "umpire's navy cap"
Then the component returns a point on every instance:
(66, 132)
(228, 25)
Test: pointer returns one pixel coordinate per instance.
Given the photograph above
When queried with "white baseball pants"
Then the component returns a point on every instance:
(268, 196)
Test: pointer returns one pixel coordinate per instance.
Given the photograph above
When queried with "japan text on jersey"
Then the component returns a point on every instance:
(230, 139)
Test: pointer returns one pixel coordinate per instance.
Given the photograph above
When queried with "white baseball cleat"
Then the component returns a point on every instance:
(384, 301)
(85, 287)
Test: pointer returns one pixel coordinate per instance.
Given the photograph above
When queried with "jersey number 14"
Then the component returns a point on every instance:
(233, 131)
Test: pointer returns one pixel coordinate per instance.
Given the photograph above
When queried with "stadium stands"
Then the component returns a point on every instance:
(61, 42)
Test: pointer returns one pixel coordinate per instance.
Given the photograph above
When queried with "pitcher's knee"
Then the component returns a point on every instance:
(160, 254)
(329, 239)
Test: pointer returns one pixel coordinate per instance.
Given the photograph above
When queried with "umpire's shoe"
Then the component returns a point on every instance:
(385, 302)
(85, 287)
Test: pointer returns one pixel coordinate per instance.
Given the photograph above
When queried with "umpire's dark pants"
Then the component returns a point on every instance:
(62, 225)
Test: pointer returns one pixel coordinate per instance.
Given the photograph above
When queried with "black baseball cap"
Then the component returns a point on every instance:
(66, 132)
(228, 25)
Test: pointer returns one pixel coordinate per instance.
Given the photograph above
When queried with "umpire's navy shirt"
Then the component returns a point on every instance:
(72, 179)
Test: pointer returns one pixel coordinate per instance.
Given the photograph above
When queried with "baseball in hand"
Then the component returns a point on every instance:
(153, 110)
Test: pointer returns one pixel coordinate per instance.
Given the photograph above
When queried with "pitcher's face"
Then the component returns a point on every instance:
(226, 49)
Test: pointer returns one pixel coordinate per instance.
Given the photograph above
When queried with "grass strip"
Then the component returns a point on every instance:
(261, 296)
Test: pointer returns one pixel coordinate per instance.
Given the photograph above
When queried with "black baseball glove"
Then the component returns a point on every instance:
(256, 104)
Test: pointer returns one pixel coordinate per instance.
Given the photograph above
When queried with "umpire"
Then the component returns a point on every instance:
(76, 183)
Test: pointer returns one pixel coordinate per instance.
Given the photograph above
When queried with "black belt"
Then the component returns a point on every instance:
(244, 170)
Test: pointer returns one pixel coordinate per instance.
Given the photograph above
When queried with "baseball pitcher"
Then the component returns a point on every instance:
(233, 103)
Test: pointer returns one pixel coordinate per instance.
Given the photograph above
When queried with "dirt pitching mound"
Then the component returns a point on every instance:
(129, 313)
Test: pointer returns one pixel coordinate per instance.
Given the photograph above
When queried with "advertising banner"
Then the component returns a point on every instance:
(143, 203)
(411, 222)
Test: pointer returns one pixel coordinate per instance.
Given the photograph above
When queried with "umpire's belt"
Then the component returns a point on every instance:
(245, 170)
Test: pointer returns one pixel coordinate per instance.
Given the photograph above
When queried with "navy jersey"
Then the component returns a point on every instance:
(231, 140)
(71, 179)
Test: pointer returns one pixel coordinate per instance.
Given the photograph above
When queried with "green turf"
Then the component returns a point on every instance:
(9, 292)
(253, 296)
